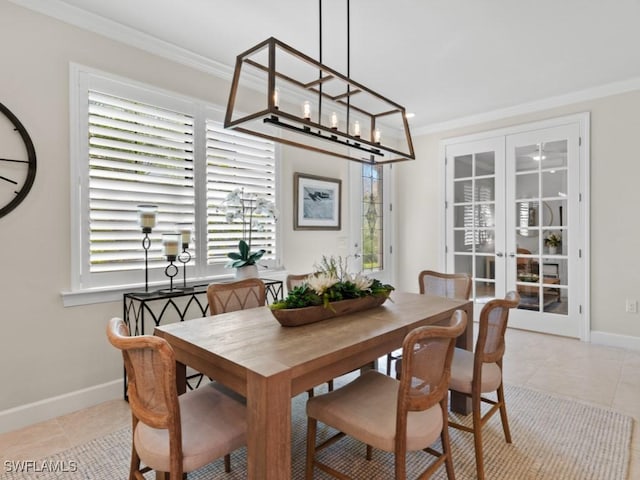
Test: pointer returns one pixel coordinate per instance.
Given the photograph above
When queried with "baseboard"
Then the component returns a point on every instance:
(615, 340)
(19, 417)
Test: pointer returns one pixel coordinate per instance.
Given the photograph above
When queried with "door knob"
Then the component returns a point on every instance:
(512, 254)
(499, 254)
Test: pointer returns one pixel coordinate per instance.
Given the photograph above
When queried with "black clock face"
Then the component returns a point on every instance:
(17, 161)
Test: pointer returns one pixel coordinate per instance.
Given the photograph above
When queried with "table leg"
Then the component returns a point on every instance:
(181, 377)
(269, 427)
(461, 403)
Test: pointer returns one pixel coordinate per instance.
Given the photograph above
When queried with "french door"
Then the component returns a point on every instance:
(516, 220)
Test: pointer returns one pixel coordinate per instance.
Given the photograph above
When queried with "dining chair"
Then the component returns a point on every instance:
(476, 373)
(238, 295)
(393, 415)
(451, 285)
(295, 280)
(173, 434)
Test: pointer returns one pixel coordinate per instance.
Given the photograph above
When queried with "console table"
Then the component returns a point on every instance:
(178, 304)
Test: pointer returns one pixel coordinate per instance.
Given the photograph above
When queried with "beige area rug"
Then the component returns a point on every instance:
(553, 438)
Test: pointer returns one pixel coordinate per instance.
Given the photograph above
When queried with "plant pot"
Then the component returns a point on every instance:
(553, 250)
(248, 271)
(295, 317)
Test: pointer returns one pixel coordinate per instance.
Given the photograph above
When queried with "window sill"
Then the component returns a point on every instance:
(90, 296)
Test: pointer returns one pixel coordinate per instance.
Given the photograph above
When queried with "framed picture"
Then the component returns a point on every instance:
(317, 202)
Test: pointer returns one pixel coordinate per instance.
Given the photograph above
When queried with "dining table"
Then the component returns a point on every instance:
(249, 352)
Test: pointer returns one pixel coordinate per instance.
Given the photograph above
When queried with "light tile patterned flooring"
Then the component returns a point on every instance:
(603, 376)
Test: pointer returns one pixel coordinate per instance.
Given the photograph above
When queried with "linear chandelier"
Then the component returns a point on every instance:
(296, 100)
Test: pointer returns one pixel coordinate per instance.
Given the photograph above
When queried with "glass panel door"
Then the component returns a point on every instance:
(476, 239)
(542, 254)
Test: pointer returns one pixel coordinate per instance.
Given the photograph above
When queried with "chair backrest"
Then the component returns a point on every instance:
(151, 375)
(294, 281)
(240, 295)
(451, 285)
(427, 353)
(492, 327)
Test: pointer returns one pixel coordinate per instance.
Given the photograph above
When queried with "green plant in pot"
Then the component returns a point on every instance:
(552, 242)
(251, 212)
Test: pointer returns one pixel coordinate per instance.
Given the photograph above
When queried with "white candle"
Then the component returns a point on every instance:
(276, 98)
(186, 237)
(147, 216)
(376, 135)
(170, 242)
(334, 120)
(306, 110)
(356, 129)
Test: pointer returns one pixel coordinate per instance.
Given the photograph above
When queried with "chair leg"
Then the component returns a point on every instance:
(330, 385)
(503, 414)
(369, 452)
(312, 425)
(446, 450)
(477, 435)
(227, 463)
(310, 393)
(388, 364)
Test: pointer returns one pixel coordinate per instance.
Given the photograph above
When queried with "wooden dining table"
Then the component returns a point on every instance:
(251, 353)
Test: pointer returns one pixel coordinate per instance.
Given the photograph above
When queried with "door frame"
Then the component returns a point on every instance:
(582, 120)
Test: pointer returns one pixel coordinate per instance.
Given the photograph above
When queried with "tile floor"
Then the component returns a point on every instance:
(604, 376)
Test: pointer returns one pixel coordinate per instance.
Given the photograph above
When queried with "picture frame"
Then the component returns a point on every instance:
(317, 202)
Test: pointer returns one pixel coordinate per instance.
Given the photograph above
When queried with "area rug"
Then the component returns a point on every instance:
(553, 438)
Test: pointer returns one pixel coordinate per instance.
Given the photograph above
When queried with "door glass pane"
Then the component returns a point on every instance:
(484, 291)
(485, 267)
(485, 191)
(462, 264)
(485, 164)
(463, 166)
(372, 220)
(463, 191)
(554, 154)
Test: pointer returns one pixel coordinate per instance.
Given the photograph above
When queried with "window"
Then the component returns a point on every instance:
(372, 218)
(136, 145)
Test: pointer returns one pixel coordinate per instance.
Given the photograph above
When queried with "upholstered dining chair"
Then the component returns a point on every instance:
(295, 280)
(173, 434)
(238, 295)
(396, 416)
(476, 373)
(451, 285)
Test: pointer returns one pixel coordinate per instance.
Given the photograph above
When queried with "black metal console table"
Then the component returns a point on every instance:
(176, 305)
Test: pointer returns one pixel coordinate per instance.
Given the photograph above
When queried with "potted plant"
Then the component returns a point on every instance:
(249, 210)
(552, 242)
(328, 292)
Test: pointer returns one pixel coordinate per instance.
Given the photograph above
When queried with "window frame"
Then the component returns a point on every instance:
(86, 287)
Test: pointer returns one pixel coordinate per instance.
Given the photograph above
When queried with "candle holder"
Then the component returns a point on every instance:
(147, 220)
(170, 242)
(185, 257)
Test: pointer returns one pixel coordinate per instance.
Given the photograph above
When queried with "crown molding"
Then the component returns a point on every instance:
(121, 33)
(594, 93)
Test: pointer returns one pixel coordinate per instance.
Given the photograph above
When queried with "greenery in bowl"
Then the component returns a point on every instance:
(331, 283)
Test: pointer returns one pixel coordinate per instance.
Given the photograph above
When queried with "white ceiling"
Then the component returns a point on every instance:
(442, 59)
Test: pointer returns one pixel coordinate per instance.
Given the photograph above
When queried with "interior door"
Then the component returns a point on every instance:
(515, 222)
(543, 251)
(475, 210)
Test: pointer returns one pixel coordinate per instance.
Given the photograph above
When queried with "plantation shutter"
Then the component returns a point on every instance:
(236, 160)
(138, 154)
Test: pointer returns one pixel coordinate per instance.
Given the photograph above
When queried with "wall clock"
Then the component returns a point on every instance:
(17, 161)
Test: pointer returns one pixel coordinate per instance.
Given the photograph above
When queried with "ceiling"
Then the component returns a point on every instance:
(444, 60)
